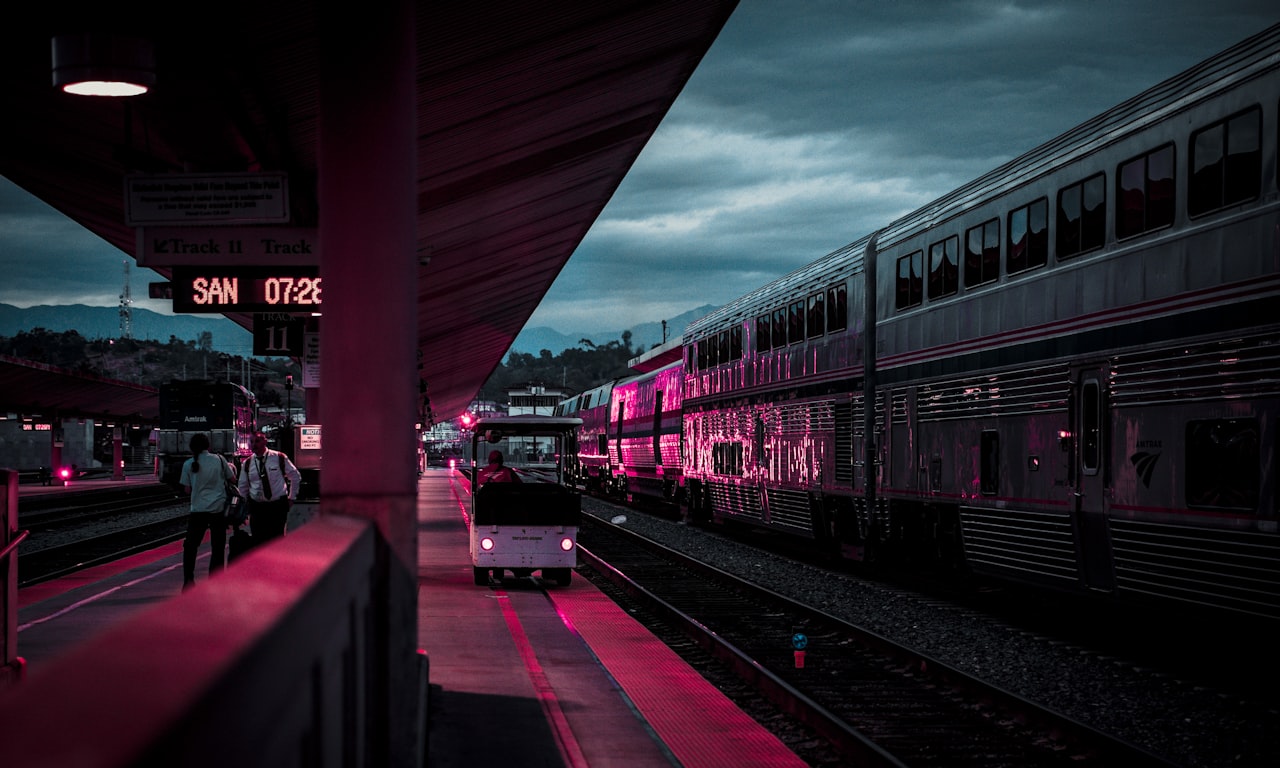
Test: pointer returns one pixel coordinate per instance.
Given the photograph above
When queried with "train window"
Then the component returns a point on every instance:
(735, 342)
(795, 322)
(837, 308)
(762, 333)
(1028, 245)
(944, 267)
(817, 315)
(989, 463)
(1223, 460)
(779, 327)
(722, 348)
(1082, 216)
(702, 346)
(910, 280)
(1226, 163)
(1145, 193)
(1091, 427)
(982, 253)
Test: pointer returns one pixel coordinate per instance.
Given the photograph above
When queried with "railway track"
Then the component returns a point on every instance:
(79, 529)
(40, 513)
(61, 559)
(875, 701)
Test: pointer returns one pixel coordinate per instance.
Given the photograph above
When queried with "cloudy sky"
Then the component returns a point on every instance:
(808, 124)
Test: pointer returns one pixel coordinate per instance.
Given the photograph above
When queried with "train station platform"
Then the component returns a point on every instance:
(519, 674)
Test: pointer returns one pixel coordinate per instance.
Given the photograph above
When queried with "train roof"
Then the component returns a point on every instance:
(1239, 63)
(801, 282)
(527, 424)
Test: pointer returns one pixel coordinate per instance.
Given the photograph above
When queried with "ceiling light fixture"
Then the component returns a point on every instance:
(95, 64)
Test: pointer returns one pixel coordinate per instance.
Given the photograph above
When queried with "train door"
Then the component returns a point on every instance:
(1090, 471)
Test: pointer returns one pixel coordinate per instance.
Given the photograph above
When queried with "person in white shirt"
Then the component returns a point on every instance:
(269, 483)
(204, 478)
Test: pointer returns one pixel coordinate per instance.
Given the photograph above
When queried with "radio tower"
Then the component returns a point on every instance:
(126, 307)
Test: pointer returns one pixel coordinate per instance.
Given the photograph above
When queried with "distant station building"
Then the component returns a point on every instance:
(533, 400)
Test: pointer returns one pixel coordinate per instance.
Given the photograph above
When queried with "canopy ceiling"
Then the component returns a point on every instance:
(529, 116)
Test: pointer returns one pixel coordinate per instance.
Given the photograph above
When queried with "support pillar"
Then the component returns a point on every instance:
(117, 452)
(368, 242)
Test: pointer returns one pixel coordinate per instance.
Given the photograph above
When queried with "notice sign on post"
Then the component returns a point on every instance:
(261, 198)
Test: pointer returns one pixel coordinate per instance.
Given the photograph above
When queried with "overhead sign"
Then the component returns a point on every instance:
(278, 334)
(206, 198)
(246, 289)
(249, 246)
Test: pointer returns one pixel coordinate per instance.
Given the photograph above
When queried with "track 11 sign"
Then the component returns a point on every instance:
(278, 334)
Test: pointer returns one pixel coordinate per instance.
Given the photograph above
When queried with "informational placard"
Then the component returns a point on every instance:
(311, 359)
(309, 437)
(307, 454)
(262, 198)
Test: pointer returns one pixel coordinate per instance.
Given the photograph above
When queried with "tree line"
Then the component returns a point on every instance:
(150, 362)
(577, 369)
(153, 363)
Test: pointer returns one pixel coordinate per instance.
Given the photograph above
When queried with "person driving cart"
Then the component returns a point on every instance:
(496, 471)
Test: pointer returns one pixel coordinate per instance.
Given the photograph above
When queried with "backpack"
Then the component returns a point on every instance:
(279, 461)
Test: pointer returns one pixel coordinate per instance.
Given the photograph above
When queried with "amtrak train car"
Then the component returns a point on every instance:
(630, 442)
(1066, 372)
(226, 412)
(590, 467)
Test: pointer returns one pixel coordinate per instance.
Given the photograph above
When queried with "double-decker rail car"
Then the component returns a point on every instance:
(528, 522)
(630, 442)
(226, 412)
(589, 468)
(1066, 372)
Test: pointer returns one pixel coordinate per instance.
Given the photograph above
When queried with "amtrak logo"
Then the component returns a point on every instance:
(1145, 463)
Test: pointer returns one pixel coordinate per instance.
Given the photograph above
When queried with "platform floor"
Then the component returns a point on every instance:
(520, 675)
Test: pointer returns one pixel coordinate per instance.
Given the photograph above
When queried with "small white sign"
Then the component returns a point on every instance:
(309, 438)
(202, 199)
(311, 360)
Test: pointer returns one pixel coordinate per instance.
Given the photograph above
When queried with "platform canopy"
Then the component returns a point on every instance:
(41, 391)
(529, 116)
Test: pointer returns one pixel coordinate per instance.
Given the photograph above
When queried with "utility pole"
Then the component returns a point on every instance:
(126, 306)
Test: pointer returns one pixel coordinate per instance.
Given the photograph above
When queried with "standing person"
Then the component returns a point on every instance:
(269, 483)
(497, 471)
(204, 478)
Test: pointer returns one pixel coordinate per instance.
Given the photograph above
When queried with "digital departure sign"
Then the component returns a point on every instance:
(246, 289)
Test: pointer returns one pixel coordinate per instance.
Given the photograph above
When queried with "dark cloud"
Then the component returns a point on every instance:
(808, 124)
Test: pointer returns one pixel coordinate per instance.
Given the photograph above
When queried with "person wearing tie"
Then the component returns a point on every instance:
(269, 483)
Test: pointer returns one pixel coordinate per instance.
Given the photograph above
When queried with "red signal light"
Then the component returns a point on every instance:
(64, 473)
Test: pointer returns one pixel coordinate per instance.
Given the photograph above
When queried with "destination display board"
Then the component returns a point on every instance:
(223, 289)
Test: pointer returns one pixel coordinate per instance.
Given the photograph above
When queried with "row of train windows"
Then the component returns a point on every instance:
(1226, 169)
(810, 318)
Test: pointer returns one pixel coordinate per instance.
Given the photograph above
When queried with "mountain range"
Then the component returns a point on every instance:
(532, 341)
(104, 323)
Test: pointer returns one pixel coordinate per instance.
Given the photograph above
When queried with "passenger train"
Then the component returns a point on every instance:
(226, 412)
(1064, 373)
